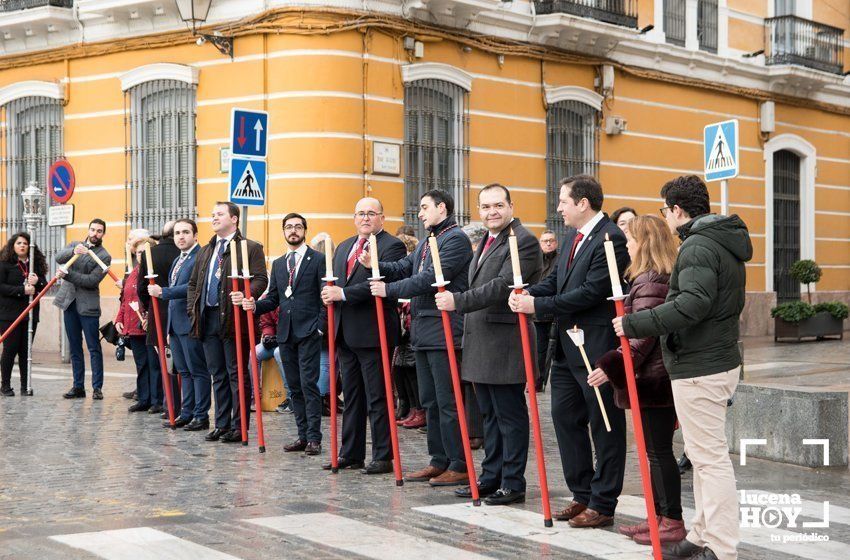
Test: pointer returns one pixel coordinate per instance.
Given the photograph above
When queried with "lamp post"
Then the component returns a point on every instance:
(33, 215)
(195, 12)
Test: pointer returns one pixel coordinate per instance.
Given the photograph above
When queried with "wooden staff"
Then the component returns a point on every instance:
(577, 336)
(530, 384)
(441, 284)
(160, 339)
(637, 421)
(252, 345)
(385, 360)
(240, 373)
(330, 279)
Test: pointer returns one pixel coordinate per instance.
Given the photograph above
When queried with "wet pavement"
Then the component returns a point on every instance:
(86, 479)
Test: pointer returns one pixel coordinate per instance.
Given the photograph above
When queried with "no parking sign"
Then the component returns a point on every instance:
(61, 181)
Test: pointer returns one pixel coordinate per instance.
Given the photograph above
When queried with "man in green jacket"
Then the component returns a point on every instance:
(698, 326)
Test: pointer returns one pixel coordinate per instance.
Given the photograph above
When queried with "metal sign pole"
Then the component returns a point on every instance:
(244, 222)
(724, 197)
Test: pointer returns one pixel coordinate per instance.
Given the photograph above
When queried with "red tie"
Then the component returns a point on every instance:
(576, 241)
(352, 260)
(487, 243)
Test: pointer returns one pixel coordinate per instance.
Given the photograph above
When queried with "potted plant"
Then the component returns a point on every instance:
(801, 319)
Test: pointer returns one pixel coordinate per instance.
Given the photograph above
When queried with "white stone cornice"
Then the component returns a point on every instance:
(436, 71)
(574, 93)
(31, 88)
(159, 71)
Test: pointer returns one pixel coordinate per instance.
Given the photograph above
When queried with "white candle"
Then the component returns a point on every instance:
(435, 257)
(148, 258)
(515, 259)
(127, 259)
(373, 252)
(616, 286)
(246, 270)
(329, 257)
(233, 271)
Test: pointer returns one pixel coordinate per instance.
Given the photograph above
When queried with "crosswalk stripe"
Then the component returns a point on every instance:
(361, 538)
(757, 536)
(140, 543)
(811, 508)
(529, 526)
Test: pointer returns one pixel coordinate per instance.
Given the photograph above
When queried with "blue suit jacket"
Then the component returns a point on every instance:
(175, 295)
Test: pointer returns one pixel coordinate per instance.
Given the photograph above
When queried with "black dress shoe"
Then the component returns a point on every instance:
(178, 422)
(343, 463)
(313, 448)
(505, 496)
(297, 445)
(233, 436)
(197, 425)
(75, 393)
(138, 407)
(680, 550)
(26, 392)
(483, 491)
(215, 435)
(97, 395)
(131, 395)
(164, 415)
(378, 467)
(7, 392)
(705, 554)
(155, 409)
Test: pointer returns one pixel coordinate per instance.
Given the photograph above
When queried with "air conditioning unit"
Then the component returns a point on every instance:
(615, 125)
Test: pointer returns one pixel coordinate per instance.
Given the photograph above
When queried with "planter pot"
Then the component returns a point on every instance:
(821, 325)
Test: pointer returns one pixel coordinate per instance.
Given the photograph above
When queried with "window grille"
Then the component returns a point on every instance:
(674, 22)
(707, 25)
(786, 224)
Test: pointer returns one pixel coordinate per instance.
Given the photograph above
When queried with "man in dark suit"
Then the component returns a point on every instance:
(493, 359)
(188, 352)
(413, 277)
(162, 256)
(577, 293)
(296, 286)
(211, 317)
(358, 345)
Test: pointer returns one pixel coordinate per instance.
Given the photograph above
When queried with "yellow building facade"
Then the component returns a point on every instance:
(457, 93)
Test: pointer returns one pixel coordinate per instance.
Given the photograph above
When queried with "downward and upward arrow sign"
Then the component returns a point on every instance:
(258, 128)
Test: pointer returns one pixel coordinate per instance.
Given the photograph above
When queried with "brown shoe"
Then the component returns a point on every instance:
(476, 442)
(669, 531)
(591, 519)
(423, 475)
(416, 420)
(632, 530)
(450, 478)
(570, 511)
(297, 445)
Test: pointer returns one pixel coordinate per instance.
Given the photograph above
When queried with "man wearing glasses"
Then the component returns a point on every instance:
(296, 286)
(358, 345)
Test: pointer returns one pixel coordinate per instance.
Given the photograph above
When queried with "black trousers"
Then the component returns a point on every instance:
(407, 386)
(437, 394)
(365, 397)
(542, 330)
(505, 435)
(15, 346)
(574, 406)
(658, 427)
(220, 354)
(474, 419)
(301, 360)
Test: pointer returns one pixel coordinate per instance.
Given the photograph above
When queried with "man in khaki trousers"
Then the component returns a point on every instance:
(698, 325)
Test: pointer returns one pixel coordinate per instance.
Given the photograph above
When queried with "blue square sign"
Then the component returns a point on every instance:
(720, 150)
(247, 181)
(249, 131)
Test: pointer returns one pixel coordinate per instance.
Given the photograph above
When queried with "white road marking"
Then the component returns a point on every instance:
(141, 543)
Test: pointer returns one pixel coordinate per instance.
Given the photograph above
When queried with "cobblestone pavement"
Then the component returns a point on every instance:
(86, 479)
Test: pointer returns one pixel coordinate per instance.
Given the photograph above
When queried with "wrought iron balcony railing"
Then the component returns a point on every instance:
(618, 12)
(15, 5)
(794, 40)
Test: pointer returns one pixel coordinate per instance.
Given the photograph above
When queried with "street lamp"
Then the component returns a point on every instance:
(195, 12)
(33, 215)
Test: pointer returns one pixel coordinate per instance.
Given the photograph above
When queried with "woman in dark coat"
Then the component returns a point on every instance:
(652, 249)
(18, 281)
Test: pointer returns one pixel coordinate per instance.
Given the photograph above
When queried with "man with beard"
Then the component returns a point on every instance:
(296, 287)
(413, 277)
(79, 298)
(543, 321)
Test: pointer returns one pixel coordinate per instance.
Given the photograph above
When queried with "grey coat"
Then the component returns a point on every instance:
(492, 350)
(82, 284)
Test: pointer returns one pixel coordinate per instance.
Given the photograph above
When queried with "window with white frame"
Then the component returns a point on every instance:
(161, 149)
(707, 25)
(674, 22)
(436, 115)
(572, 140)
(32, 143)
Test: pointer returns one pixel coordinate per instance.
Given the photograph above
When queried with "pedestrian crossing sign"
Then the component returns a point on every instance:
(247, 181)
(720, 148)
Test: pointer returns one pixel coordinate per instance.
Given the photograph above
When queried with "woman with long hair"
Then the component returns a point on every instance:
(18, 281)
(652, 249)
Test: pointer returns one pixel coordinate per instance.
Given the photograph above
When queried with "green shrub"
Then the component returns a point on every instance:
(793, 311)
(834, 308)
(806, 272)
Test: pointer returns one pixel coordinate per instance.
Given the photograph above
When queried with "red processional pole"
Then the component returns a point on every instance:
(237, 324)
(637, 420)
(252, 348)
(385, 361)
(330, 279)
(441, 284)
(530, 384)
(160, 341)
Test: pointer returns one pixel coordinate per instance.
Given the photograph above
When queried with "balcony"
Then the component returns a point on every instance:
(15, 5)
(34, 24)
(802, 42)
(617, 12)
